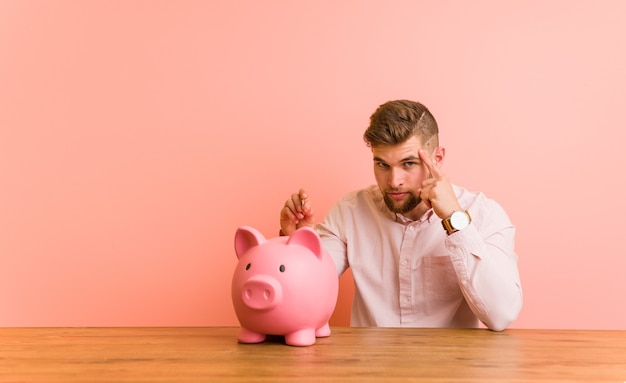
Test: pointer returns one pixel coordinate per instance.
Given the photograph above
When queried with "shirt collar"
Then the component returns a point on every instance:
(406, 221)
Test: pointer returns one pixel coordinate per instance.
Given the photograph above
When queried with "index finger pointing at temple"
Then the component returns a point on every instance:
(434, 172)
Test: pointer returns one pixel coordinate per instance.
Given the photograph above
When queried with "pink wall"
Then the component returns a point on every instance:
(136, 136)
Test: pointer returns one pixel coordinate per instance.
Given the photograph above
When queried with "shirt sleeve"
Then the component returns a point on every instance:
(485, 262)
(334, 245)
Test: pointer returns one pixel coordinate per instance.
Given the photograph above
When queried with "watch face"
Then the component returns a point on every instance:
(459, 220)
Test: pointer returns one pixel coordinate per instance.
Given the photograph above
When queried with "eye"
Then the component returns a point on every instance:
(282, 268)
(248, 266)
(382, 165)
(410, 164)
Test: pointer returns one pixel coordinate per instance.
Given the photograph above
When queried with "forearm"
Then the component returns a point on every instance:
(487, 274)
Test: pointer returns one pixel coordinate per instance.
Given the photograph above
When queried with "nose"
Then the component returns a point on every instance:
(262, 292)
(396, 178)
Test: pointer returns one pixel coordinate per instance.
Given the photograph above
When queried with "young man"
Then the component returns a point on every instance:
(423, 251)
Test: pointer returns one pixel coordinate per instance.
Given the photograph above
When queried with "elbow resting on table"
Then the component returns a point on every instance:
(502, 319)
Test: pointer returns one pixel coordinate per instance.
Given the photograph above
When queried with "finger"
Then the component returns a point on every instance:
(434, 172)
(426, 193)
(292, 207)
(287, 214)
(295, 203)
(303, 197)
(305, 203)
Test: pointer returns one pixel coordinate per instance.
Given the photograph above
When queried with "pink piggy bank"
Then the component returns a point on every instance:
(283, 286)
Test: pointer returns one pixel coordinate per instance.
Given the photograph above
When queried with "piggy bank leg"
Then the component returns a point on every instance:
(323, 331)
(248, 336)
(305, 337)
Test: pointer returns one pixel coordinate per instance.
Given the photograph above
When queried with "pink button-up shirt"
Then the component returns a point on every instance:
(412, 274)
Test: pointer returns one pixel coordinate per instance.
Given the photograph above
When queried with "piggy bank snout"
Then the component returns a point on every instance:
(262, 292)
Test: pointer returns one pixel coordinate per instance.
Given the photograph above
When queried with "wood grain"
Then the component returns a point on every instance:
(349, 355)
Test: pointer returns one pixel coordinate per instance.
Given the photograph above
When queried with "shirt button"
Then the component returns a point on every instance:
(411, 228)
(404, 262)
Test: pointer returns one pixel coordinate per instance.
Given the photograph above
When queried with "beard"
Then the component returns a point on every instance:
(410, 204)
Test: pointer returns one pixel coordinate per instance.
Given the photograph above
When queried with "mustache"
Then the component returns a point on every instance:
(387, 191)
(391, 191)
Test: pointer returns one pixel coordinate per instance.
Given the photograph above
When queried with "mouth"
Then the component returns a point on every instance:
(397, 195)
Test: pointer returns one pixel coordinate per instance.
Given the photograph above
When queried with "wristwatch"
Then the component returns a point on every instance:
(458, 220)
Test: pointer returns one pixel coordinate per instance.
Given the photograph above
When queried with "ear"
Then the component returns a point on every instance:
(438, 156)
(245, 238)
(307, 237)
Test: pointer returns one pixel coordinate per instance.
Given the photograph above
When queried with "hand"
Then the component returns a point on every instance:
(437, 191)
(296, 213)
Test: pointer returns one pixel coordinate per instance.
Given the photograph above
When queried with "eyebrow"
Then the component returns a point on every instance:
(409, 158)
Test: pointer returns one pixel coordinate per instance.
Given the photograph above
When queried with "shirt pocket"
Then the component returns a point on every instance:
(440, 281)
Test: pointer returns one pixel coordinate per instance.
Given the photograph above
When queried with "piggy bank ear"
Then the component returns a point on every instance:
(308, 238)
(245, 238)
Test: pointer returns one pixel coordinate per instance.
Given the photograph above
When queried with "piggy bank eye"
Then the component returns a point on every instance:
(282, 268)
(248, 266)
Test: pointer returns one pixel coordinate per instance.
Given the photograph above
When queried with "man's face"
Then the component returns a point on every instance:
(399, 173)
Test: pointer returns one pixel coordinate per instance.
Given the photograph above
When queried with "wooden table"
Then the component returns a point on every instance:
(350, 355)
